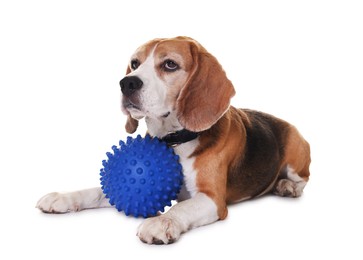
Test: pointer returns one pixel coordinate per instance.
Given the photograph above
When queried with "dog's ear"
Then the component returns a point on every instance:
(131, 123)
(207, 93)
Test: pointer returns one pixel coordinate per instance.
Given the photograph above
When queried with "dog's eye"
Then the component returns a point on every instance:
(135, 64)
(170, 65)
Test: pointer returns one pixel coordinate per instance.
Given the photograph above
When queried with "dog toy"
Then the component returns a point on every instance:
(142, 176)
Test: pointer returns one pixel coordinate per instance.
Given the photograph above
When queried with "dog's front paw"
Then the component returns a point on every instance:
(58, 203)
(159, 230)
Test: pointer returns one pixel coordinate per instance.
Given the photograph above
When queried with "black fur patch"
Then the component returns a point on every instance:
(261, 156)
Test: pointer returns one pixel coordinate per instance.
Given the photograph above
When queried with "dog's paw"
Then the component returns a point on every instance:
(159, 230)
(58, 203)
(287, 188)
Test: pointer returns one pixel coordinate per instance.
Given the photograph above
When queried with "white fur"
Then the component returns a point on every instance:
(160, 126)
(153, 92)
(57, 202)
(184, 151)
(195, 212)
(300, 182)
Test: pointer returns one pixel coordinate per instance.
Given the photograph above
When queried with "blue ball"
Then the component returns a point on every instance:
(142, 176)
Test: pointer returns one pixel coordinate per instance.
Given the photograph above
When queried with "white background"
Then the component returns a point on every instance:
(60, 64)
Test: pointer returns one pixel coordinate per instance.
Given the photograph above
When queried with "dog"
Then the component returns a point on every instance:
(228, 155)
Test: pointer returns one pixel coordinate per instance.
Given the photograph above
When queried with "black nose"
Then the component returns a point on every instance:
(129, 85)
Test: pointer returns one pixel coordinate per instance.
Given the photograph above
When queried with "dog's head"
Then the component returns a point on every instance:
(177, 77)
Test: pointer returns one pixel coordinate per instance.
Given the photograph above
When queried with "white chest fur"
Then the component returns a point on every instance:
(159, 126)
(184, 151)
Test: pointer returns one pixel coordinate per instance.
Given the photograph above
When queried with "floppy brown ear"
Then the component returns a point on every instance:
(131, 123)
(206, 95)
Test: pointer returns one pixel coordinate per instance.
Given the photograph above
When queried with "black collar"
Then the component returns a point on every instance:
(179, 137)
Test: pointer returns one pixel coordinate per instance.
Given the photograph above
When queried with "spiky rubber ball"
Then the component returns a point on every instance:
(142, 176)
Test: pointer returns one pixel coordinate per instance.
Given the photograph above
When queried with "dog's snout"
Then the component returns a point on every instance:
(129, 85)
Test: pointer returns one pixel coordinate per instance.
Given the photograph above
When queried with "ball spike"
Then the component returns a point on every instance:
(129, 140)
(122, 143)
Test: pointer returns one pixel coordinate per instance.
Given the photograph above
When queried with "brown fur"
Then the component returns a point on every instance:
(243, 154)
(213, 158)
(297, 153)
(207, 93)
(131, 125)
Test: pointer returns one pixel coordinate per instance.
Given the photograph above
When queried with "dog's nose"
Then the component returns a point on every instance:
(129, 85)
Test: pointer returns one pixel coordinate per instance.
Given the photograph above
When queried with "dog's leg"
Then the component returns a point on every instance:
(295, 173)
(164, 229)
(292, 185)
(73, 201)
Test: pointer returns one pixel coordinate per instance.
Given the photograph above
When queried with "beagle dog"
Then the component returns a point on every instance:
(228, 154)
